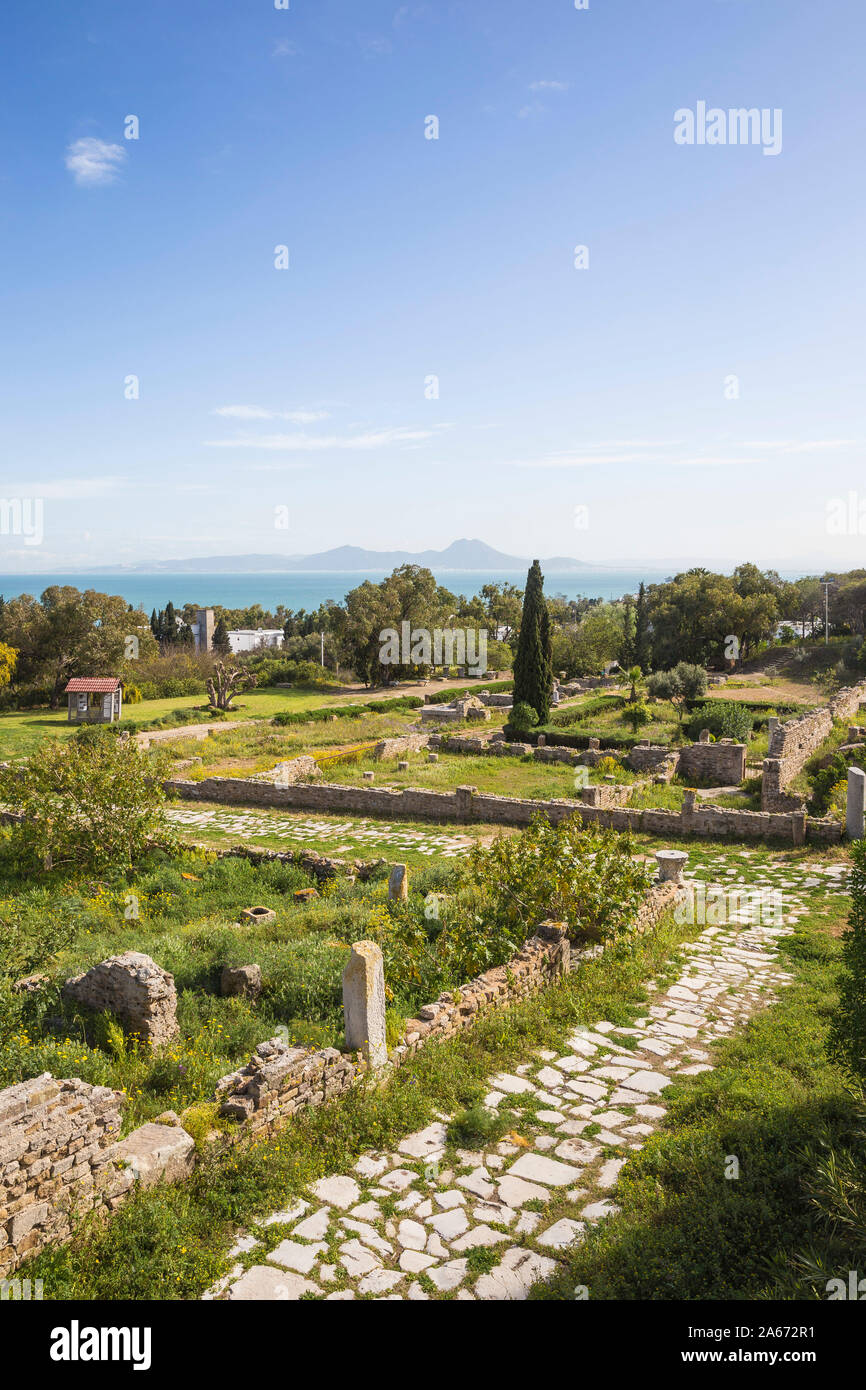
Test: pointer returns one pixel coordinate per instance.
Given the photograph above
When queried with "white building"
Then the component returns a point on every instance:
(249, 639)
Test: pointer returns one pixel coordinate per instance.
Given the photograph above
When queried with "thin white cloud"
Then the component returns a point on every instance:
(92, 162)
(65, 489)
(566, 460)
(714, 461)
(533, 109)
(255, 412)
(798, 446)
(284, 49)
(318, 443)
(549, 86)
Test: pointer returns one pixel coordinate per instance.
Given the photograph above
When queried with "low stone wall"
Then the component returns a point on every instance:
(56, 1142)
(793, 743)
(403, 743)
(651, 757)
(280, 1080)
(468, 804)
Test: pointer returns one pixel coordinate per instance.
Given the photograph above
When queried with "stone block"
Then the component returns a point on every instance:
(257, 914)
(133, 988)
(241, 980)
(856, 804)
(398, 884)
(364, 1002)
(155, 1151)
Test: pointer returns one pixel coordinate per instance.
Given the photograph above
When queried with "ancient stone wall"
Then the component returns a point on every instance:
(56, 1142)
(793, 743)
(59, 1152)
(467, 804)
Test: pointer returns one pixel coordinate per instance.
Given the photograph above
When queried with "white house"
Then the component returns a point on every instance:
(249, 639)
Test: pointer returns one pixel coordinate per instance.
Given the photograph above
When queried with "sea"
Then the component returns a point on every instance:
(309, 589)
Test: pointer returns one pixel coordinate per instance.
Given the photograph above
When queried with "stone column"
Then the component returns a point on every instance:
(364, 1003)
(704, 736)
(671, 863)
(463, 796)
(772, 726)
(854, 813)
(398, 884)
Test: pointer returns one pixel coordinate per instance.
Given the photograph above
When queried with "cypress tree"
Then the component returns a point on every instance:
(533, 662)
(221, 641)
(641, 631)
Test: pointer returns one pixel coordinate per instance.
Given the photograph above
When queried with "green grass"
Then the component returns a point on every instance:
(21, 731)
(172, 1242)
(502, 776)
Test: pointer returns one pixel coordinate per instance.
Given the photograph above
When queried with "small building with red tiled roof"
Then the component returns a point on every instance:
(94, 699)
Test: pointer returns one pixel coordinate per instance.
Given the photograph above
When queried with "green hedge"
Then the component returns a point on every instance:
(321, 716)
(598, 705)
(444, 697)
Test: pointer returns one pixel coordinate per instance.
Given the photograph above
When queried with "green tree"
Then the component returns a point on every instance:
(533, 662)
(93, 802)
(642, 650)
(221, 643)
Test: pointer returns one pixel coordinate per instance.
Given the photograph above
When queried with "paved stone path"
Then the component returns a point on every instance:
(404, 1225)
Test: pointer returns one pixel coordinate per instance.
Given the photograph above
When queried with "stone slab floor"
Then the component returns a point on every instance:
(404, 1225)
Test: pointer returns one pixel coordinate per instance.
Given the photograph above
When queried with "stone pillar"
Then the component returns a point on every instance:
(704, 736)
(798, 827)
(398, 884)
(671, 863)
(364, 1003)
(772, 726)
(464, 797)
(856, 803)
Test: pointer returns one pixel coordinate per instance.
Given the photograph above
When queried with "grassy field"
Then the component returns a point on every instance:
(22, 730)
(184, 911)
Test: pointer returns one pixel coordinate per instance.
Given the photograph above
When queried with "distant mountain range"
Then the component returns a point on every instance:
(460, 555)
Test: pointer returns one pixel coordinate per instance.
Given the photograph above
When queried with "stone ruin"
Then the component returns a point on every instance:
(133, 988)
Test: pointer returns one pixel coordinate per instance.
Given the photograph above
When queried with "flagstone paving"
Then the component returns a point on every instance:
(404, 1225)
(351, 837)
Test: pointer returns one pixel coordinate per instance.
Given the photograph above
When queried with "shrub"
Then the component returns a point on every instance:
(724, 718)
(848, 1039)
(94, 801)
(523, 717)
(636, 715)
(585, 877)
(684, 682)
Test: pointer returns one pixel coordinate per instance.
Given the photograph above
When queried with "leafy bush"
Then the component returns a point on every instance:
(848, 1039)
(636, 715)
(724, 718)
(93, 801)
(523, 717)
(684, 682)
(830, 783)
(585, 877)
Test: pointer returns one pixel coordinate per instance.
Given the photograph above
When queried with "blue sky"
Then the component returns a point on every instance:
(299, 394)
